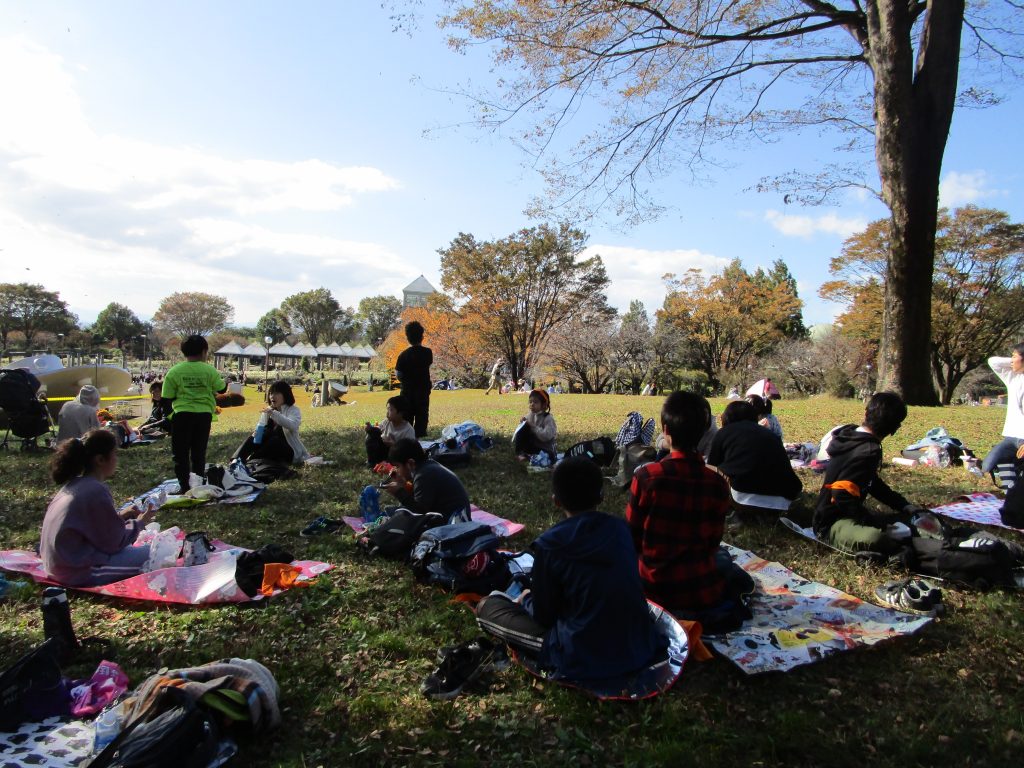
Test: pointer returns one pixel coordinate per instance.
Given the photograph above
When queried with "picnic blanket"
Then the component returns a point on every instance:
(213, 582)
(980, 508)
(52, 743)
(797, 621)
(499, 525)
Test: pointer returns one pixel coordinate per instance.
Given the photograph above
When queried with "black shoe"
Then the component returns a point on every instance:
(57, 622)
(461, 666)
(499, 662)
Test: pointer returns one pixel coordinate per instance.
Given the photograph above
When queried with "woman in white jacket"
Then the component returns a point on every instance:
(279, 440)
(1011, 371)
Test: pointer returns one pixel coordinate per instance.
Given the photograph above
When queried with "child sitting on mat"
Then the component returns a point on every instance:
(85, 541)
(423, 485)
(676, 511)
(538, 430)
(585, 616)
(396, 426)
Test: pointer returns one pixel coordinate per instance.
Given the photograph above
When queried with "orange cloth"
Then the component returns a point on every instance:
(698, 651)
(845, 485)
(280, 576)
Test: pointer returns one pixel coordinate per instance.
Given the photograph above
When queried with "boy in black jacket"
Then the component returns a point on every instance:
(855, 454)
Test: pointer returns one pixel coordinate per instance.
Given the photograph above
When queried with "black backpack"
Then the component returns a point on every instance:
(1012, 512)
(461, 557)
(983, 563)
(600, 450)
(32, 681)
(450, 454)
(172, 733)
(396, 535)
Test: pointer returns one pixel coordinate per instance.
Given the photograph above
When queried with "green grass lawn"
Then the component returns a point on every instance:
(351, 651)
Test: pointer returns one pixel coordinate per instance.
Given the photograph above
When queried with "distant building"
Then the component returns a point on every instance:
(416, 293)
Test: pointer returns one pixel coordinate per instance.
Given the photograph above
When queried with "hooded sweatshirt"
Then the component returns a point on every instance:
(78, 416)
(854, 459)
(586, 589)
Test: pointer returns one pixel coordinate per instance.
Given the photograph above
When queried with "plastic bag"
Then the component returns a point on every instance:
(163, 550)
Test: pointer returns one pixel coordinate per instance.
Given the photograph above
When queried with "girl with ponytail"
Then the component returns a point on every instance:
(85, 541)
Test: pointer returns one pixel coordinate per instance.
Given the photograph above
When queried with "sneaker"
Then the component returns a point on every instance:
(320, 526)
(911, 596)
(460, 668)
(237, 468)
(499, 663)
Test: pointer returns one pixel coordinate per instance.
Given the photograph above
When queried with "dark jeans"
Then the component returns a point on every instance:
(419, 404)
(188, 444)
(274, 447)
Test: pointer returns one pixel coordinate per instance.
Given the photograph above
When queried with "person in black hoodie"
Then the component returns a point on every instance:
(751, 457)
(841, 517)
(585, 616)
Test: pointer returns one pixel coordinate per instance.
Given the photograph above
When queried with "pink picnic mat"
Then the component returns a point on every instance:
(981, 508)
(213, 582)
(499, 525)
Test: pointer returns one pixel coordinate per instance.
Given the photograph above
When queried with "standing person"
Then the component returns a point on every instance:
(1011, 371)
(78, 416)
(191, 388)
(413, 371)
(85, 541)
(495, 382)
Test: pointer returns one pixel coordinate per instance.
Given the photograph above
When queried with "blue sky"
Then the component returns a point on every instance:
(254, 150)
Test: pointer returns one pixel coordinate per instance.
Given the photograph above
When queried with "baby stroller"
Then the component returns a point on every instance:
(27, 416)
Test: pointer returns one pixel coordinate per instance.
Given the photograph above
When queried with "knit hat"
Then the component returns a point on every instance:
(543, 396)
(89, 395)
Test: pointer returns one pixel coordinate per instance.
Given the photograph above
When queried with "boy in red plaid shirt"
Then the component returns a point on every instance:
(676, 512)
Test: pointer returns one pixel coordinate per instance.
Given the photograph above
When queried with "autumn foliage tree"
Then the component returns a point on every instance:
(518, 290)
(727, 320)
(673, 78)
(977, 289)
(192, 313)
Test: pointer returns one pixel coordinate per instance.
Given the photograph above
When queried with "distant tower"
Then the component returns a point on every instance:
(416, 293)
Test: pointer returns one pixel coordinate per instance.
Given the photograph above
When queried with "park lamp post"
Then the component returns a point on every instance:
(145, 341)
(266, 369)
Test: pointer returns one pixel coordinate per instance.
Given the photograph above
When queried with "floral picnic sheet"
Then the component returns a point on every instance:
(797, 621)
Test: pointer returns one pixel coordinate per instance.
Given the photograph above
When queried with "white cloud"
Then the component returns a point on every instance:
(636, 273)
(807, 226)
(958, 189)
(103, 218)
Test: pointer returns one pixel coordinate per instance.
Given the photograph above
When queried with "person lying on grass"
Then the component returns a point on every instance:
(585, 616)
(423, 485)
(676, 512)
(761, 479)
(396, 426)
(85, 542)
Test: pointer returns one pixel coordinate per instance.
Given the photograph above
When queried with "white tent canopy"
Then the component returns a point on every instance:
(231, 348)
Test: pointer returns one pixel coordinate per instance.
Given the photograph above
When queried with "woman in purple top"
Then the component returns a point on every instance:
(85, 540)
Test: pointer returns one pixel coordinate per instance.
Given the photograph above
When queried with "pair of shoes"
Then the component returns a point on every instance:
(460, 666)
(912, 596)
(499, 662)
(320, 526)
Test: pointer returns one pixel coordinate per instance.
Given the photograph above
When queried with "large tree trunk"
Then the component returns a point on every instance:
(913, 111)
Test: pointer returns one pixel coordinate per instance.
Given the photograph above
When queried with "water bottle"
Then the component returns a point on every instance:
(57, 622)
(108, 726)
(261, 426)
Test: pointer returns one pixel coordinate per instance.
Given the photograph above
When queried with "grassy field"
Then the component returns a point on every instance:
(350, 652)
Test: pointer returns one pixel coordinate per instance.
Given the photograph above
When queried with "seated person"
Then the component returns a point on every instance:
(841, 517)
(585, 616)
(396, 426)
(280, 438)
(85, 542)
(157, 424)
(423, 485)
(754, 461)
(676, 512)
(78, 416)
(763, 410)
(538, 431)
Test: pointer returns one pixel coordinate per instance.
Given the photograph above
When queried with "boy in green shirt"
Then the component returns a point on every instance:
(190, 389)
